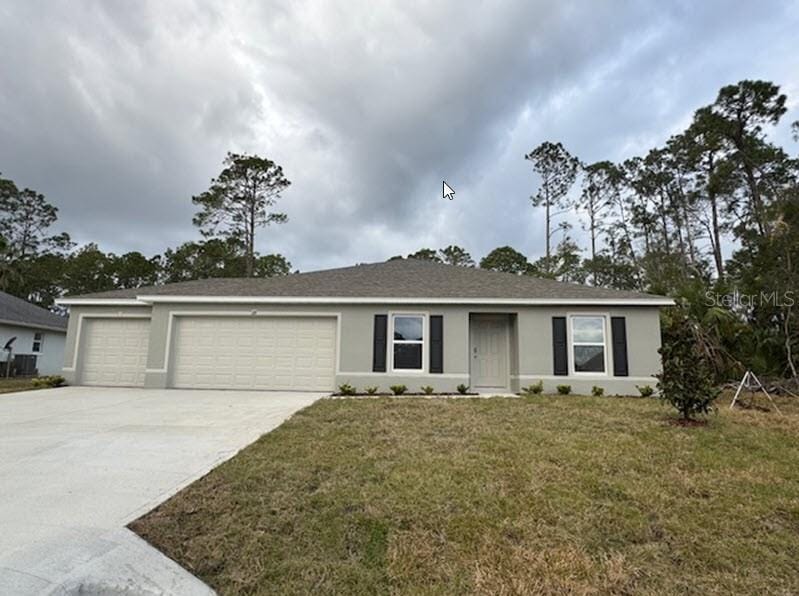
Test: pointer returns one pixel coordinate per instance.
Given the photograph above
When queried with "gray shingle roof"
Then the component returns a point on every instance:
(407, 278)
(16, 310)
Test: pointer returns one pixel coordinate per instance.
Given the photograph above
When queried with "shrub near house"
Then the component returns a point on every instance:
(686, 381)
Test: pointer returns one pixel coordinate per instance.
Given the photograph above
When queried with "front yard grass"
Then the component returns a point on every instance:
(545, 495)
(13, 384)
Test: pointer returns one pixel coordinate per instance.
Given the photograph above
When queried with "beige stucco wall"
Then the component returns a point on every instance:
(77, 314)
(355, 342)
(643, 342)
(530, 333)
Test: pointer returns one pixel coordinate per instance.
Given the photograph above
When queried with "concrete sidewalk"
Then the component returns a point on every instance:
(78, 463)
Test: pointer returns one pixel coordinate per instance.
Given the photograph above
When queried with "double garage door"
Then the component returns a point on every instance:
(291, 353)
(224, 352)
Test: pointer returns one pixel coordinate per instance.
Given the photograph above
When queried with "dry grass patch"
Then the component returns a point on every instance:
(14, 384)
(549, 495)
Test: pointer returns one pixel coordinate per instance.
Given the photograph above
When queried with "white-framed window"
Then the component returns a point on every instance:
(38, 341)
(407, 352)
(589, 344)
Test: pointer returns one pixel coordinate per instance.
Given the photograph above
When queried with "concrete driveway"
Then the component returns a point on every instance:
(78, 463)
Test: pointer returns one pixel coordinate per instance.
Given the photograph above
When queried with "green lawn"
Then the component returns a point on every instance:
(497, 496)
(15, 384)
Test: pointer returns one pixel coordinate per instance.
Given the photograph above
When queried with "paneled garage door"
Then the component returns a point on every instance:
(286, 353)
(114, 351)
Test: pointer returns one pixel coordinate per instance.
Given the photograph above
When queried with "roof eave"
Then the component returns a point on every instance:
(12, 323)
(160, 299)
(77, 301)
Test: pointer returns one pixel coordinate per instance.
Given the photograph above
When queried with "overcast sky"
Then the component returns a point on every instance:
(120, 111)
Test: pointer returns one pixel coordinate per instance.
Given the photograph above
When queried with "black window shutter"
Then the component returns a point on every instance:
(436, 344)
(379, 343)
(618, 330)
(560, 351)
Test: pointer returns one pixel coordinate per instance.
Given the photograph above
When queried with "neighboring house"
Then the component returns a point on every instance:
(406, 322)
(40, 334)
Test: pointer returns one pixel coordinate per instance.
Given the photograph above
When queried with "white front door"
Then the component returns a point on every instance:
(489, 351)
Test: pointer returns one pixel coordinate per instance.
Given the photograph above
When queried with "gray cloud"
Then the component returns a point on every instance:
(120, 112)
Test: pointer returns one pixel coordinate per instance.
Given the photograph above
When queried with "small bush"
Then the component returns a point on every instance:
(372, 389)
(564, 389)
(534, 389)
(597, 391)
(645, 391)
(346, 389)
(462, 389)
(686, 381)
(427, 389)
(398, 389)
(49, 381)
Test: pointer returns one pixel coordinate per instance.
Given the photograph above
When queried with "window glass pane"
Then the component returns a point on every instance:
(589, 359)
(37, 336)
(408, 328)
(408, 356)
(588, 330)
(37, 346)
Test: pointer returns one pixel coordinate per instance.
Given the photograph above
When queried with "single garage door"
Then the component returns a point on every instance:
(114, 351)
(283, 353)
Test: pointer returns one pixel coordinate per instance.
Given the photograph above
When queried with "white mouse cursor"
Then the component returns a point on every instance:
(447, 193)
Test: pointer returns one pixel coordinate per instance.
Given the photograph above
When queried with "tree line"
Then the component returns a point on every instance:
(40, 266)
(659, 219)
